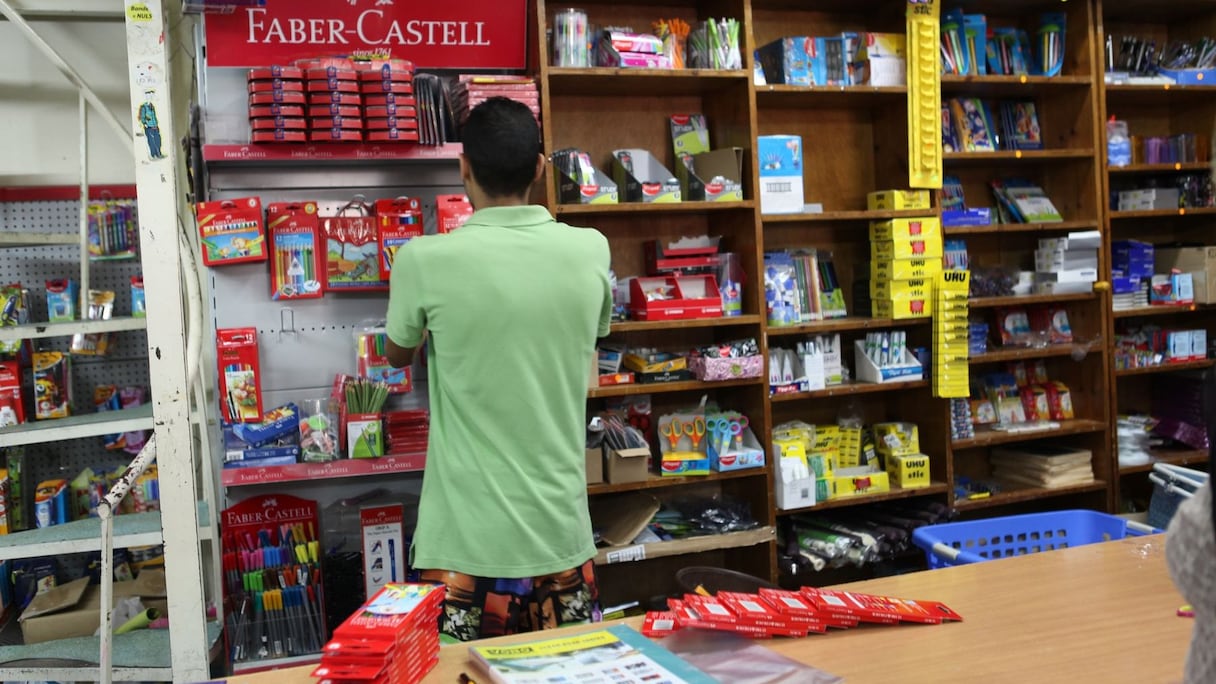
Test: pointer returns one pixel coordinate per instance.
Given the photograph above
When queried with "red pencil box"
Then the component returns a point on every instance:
(240, 377)
(354, 123)
(385, 99)
(331, 72)
(279, 136)
(404, 123)
(325, 63)
(278, 123)
(400, 221)
(274, 84)
(277, 97)
(273, 110)
(231, 231)
(296, 261)
(327, 98)
(380, 87)
(333, 85)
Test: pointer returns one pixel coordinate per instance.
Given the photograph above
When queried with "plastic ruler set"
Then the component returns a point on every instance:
(924, 95)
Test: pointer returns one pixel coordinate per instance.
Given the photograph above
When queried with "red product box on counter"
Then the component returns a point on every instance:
(674, 297)
(660, 623)
(405, 123)
(383, 87)
(385, 111)
(682, 256)
(795, 608)
(754, 610)
(843, 603)
(279, 72)
(277, 97)
(385, 99)
(278, 122)
(451, 212)
(331, 109)
(275, 85)
(393, 135)
(335, 135)
(400, 221)
(240, 374)
(275, 110)
(333, 85)
(12, 405)
(328, 98)
(279, 136)
(353, 123)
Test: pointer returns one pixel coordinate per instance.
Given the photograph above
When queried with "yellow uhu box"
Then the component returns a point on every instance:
(849, 455)
(909, 471)
(898, 199)
(914, 248)
(905, 269)
(902, 308)
(857, 481)
(926, 228)
(918, 288)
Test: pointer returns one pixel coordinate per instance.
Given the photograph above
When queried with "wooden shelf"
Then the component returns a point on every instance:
(1163, 213)
(1014, 496)
(1164, 368)
(847, 324)
(1164, 11)
(850, 388)
(682, 547)
(1013, 85)
(1160, 168)
(829, 97)
(858, 216)
(1159, 93)
(611, 81)
(850, 501)
(685, 324)
(1016, 156)
(660, 482)
(667, 387)
(660, 208)
(1002, 228)
(1155, 311)
(985, 437)
(1024, 353)
(1179, 457)
(1023, 300)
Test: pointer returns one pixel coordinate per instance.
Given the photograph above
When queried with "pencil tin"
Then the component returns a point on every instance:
(277, 97)
(273, 110)
(279, 136)
(392, 135)
(274, 85)
(339, 98)
(333, 109)
(331, 72)
(384, 111)
(280, 123)
(353, 123)
(378, 87)
(276, 72)
(403, 123)
(335, 135)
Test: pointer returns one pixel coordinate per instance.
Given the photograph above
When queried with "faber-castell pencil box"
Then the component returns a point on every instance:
(231, 231)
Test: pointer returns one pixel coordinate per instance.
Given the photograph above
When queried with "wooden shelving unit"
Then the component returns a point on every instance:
(1156, 110)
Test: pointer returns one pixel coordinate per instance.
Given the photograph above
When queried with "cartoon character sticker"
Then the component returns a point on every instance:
(147, 76)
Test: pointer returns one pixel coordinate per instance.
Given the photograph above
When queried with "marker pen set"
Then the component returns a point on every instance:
(274, 602)
(968, 42)
(113, 230)
(240, 374)
(231, 231)
(371, 360)
(295, 255)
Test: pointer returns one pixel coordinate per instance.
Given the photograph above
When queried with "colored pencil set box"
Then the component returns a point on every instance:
(240, 374)
(296, 261)
(394, 637)
(400, 221)
(113, 230)
(231, 231)
(372, 362)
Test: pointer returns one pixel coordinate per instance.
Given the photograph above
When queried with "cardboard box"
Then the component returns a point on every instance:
(906, 248)
(902, 308)
(1200, 262)
(74, 609)
(897, 199)
(909, 471)
(383, 533)
(595, 466)
(641, 178)
(905, 269)
(715, 176)
(787, 61)
(620, 519)
(781, 164)
(1150, 199)
(627, 465)
(928, 228)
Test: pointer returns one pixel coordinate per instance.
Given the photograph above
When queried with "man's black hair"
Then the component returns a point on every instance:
(501, 142)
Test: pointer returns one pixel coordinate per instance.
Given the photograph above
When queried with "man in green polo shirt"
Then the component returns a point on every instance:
(511, 305)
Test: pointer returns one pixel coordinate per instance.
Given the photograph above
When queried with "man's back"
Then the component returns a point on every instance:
(513, 302)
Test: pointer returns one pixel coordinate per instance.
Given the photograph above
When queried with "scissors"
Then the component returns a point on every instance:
(675, 430)
(724, 427)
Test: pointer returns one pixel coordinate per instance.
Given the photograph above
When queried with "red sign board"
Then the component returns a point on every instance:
(455, 34)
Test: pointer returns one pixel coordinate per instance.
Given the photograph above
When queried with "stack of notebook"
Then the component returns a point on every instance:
(1040, 465)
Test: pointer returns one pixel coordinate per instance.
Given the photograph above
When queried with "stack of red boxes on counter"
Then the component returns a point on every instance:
(333, 100)
(394, 637)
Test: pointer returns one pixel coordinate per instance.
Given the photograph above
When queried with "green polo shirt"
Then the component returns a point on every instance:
(512, 302)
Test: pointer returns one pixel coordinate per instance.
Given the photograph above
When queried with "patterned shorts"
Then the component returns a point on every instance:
(483, 607)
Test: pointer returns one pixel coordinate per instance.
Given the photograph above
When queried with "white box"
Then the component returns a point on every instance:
(781, 166)
(1199, 344)
(1050, 288)
(1048, 260)
(1076, 275)
(1078, 239)
(888, 71)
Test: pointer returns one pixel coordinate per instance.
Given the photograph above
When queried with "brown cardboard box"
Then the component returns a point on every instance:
(627, 465)
(595, 466)
(74, 609)
(1200, 262)
(620, 519)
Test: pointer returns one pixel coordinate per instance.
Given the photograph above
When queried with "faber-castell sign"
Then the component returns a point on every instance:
(463, 34)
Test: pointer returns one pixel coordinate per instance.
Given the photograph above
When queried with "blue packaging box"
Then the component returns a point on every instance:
(781, 165)
(787, 61)
(1123, 284)
(279, 423)
(828, 63)
(237, 451)
(978, 216)
(1133, 258)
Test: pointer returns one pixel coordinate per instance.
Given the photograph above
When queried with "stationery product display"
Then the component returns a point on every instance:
(273, 598)
(352, 254)
(470, 90)
(12, 403)
(231, 231)
(579, 182)
(812, 365)
(781, 186)
(296, 259)
(363, 402)
(1020, 400)
(675, 297)
(371, 361)
(726, 361)
(571, 38)
(62, 298)
(705, 175)
(394, 637)
(113, 230)
(800, 286)
(810, 542)
(924, 93)
(714, 44)
(400, 221)
(1179, 61)
(951, 335)
(884, 357)
(239, 378)
(1150, 346)
(641, 178)
(52, 372)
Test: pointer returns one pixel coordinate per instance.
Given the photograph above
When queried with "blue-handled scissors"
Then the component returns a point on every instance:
(724, 427)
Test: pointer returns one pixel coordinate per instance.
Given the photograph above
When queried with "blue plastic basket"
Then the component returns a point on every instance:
(975, 541)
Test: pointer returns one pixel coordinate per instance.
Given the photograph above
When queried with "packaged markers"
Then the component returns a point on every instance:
(139, 306)
(296, 262)
(14, 311)
(51, 503)
(371, 361)
(61, 300)
(105, 398)
(231, 231)
(452, 211)
(113, 230)
(240, 375)
(400, 221)
(52, 385)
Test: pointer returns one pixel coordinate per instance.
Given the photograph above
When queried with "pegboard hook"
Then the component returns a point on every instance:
(287, 322)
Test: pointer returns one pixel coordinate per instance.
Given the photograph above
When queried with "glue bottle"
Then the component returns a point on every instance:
(1118, 144)
(730, 283)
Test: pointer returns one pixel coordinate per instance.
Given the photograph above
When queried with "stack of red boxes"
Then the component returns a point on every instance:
(393, 638)
(388, 99)
(335, 110)
(473, 89)
(407, 431)
(276, 105)
(775, 612)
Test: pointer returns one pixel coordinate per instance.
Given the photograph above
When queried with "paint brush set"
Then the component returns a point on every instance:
(274, 603)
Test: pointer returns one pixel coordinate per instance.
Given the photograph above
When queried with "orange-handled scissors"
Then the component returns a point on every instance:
(695, 429)
(673, 431)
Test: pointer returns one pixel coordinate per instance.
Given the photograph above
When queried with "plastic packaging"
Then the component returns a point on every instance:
(730, 283)
(1118, 143)
(732, 658)
(571, 38)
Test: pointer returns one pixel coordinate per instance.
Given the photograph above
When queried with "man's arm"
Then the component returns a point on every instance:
(399, 357)
(405, 322)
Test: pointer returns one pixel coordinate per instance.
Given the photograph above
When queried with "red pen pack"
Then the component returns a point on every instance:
(659, 624)
(231, 231)
(452, 211)
(12, 405)
(400, 221)
(852, 605)
(240, 375)
(754, 610)
(296, 261)
(353, 249)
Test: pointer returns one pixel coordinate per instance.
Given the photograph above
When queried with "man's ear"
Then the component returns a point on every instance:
(466, 171)
(541, 160)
